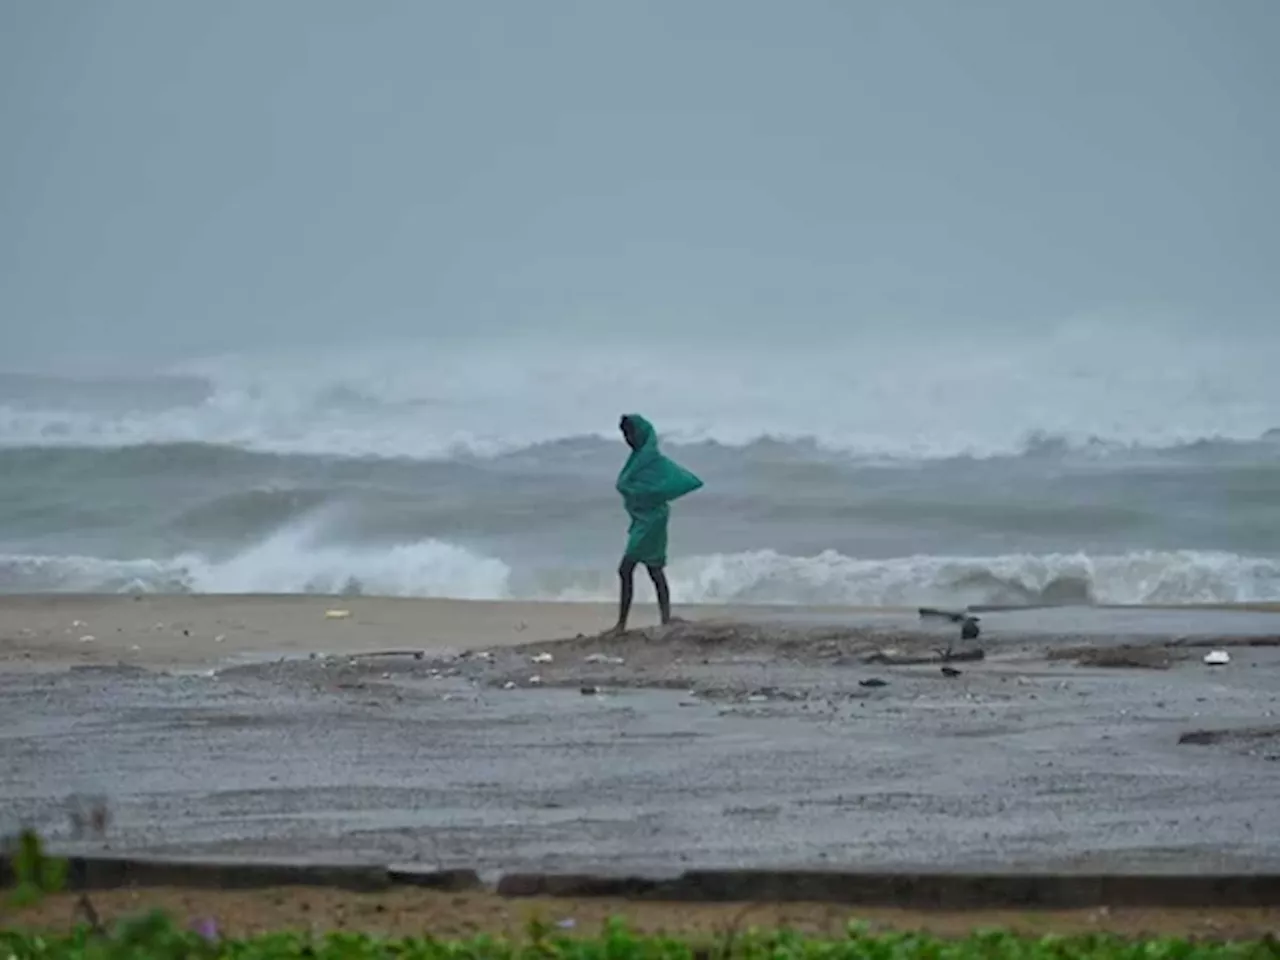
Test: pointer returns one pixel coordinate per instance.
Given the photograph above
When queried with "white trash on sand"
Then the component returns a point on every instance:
(1217, 658)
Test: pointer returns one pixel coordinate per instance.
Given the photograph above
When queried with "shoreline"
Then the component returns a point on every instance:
(204, 630)
(207, 629)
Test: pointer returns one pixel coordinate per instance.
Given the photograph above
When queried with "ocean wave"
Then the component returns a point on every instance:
(290, 563)
(1184, 576)
(867, 397)
(123, 451)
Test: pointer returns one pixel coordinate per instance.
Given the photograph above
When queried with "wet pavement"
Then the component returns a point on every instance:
(694, 751)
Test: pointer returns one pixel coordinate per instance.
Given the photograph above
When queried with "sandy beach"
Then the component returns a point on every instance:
(505, 736)
(192, 631)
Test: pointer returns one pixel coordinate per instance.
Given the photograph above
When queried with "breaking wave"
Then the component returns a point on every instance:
(289, 563)
(944, 396)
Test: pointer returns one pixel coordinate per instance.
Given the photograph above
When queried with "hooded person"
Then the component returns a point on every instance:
(648, 482)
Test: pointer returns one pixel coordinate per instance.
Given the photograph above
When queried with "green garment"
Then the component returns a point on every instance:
(648, 483)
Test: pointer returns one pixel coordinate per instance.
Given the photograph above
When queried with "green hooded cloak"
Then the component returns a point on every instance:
(648, 483)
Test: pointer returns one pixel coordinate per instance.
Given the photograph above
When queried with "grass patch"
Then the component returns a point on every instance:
(156, 937)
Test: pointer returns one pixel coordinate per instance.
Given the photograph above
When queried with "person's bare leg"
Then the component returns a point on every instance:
(659, 578)
(626, 587)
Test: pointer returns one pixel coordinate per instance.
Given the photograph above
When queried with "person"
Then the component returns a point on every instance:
(648, 483)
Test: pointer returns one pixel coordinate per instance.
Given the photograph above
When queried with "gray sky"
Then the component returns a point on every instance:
(182, 176)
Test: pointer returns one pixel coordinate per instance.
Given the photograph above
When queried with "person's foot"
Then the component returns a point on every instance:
(615, 631)
(672, 621)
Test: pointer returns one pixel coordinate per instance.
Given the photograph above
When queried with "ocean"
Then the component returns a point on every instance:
(1081, 465)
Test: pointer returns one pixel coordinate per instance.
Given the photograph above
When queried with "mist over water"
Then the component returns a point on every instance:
(315, 298)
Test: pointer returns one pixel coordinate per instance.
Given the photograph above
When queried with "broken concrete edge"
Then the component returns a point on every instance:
(232, 873)
(938, 891)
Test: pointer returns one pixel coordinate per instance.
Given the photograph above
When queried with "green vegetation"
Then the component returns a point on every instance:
(35, 873)
(155, 937)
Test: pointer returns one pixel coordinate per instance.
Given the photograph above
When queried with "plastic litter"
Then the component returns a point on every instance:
(1216, 658)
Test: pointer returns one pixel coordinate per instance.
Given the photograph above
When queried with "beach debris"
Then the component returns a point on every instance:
(950, 672)
(78, 623)
(220, 638)
(386, 676)
(969, 629)
(88, 638)
(1239, 735)
(757, 698)
(1217, 658)
(480, 655)
(587, 690)
(568, 923)
(873, 682)
(1141, 656)
(884, 657)
(603, 658)
(337, 614)
(509, 685)
(541, 658)
(535, 680)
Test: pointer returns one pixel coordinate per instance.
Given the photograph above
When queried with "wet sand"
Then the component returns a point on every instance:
(750, 737)
(189, 631)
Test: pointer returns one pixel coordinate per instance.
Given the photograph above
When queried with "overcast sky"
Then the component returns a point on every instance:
(183, 176)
